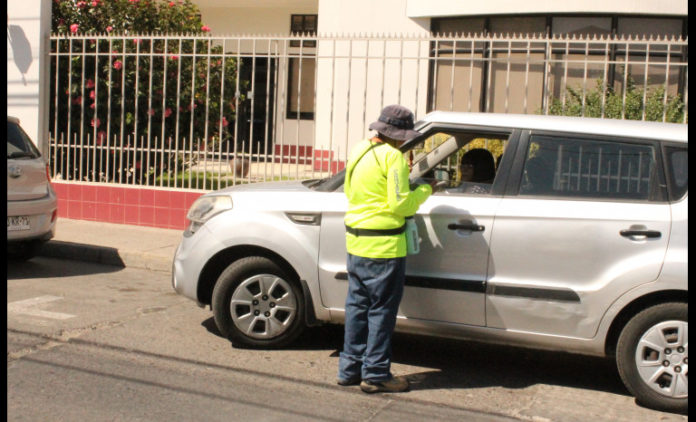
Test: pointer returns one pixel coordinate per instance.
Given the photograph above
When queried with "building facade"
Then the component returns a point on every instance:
(319, 71)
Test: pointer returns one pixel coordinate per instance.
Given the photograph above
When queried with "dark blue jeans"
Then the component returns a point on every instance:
(375, 287)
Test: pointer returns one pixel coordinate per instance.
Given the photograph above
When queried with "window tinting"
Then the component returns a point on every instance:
(588, 168)
(18, 143)
(678, 171)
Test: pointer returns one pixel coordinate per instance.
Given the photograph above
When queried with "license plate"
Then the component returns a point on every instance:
(18, 223)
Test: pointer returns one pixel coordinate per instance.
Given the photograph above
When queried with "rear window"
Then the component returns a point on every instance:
(589, 168)
(678, 171)
(18, 143)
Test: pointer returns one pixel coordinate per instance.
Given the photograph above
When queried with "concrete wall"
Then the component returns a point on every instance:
(252, 20)
(28, 30)
(349, 90)
(437, 8)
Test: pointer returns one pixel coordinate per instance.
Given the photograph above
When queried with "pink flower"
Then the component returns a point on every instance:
(136, 40)
(109, 28)
(151, 112)
(96, 122)
(74, 27)
(78, 100)
(81, 4)
(92, 94)
(172, 4)
(167, 112)
(118, 65)
(101, 135)
(95, 3)
(224, 122)
(90, 83)
(205, 28)
(137, 164)
(92, 105)
(173, 57)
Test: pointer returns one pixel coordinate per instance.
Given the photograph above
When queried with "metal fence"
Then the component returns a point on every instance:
(204, 112)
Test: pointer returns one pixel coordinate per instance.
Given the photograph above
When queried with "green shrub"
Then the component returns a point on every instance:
(654, 106)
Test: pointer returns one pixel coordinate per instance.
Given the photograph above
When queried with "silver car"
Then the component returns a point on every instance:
(577, 244)
(31, 201)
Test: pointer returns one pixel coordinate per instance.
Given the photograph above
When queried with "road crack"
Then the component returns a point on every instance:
(61, 338)
(381, 409)
(64, 336)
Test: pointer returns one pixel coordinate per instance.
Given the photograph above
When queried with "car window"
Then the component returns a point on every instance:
(466, 161)
(18, 143)
(678, 171)
(570, 167)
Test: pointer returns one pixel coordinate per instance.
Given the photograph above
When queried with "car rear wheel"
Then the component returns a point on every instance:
(652, 357)
(255, 303)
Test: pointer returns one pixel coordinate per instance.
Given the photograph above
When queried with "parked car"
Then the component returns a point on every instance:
(579, 244)
(31, 201)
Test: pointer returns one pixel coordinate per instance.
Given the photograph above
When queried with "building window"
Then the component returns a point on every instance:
(303, 25)
(301, 75)
(302, 69)
(510, 76)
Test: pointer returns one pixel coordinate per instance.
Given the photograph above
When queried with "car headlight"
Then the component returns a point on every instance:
(205, 208)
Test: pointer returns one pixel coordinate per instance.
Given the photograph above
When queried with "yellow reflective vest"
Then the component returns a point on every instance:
(379, 197)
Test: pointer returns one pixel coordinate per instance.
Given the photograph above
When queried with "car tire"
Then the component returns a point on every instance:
(257, 304)
(652, 357)
(23, 251)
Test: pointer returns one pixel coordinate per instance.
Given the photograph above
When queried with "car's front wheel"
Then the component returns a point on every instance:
(652, 357)
(255, 303)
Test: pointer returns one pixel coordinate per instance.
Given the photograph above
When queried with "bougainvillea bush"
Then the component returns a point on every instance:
(141, 85)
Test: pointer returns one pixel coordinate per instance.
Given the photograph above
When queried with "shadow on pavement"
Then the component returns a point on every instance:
(468, 364)
(39, 267)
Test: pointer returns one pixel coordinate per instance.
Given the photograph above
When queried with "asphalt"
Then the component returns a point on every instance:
(114, 244)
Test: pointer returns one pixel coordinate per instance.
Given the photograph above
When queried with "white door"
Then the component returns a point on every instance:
(446, 281)
(566, 247)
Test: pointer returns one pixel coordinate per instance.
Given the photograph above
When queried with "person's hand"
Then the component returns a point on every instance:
(438, 185)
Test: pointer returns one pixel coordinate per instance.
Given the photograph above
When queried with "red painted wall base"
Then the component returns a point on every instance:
(135, 205)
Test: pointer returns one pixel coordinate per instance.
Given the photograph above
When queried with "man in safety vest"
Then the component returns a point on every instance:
(379, 199)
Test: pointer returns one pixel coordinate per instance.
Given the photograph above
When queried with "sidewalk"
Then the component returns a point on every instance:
(114, 244)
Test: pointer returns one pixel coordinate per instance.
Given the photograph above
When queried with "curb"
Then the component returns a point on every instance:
(105, 255)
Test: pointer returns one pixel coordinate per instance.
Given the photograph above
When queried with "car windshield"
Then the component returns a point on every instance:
(18, 143)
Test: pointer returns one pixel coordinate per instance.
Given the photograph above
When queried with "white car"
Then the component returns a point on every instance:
(32, 205)
(578, 244)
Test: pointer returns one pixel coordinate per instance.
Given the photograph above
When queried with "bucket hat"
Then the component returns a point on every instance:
(396, 122)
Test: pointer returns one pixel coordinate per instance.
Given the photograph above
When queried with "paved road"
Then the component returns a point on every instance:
(95, 342)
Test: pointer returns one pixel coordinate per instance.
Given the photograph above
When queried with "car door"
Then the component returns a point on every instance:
(585, 220)
(446, 280)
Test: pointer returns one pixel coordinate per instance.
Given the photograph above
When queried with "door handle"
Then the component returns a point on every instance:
(652, 234)
(466, 225)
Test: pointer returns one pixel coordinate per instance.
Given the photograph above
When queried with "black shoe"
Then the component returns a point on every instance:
(392, 385)
(348, 382)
